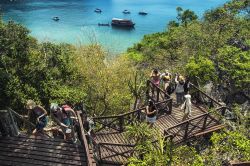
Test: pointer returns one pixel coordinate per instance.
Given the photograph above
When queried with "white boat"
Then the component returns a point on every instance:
(55, 18)
(97, 10)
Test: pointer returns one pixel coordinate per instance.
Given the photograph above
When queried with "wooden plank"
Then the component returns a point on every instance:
(40, 149)
(35, 161)
(41, 142)
(70, 149)
(42, 154)
(212, 129)
(38, 157)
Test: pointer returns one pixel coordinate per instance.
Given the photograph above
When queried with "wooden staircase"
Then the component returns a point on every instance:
(110, 146)
(29, 150)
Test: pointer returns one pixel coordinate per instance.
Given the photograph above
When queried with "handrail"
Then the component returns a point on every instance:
(158, 88)
(20, 117)
(116, 144)
(83, 137)
(205, 94)
(128, 113)
(186, 121)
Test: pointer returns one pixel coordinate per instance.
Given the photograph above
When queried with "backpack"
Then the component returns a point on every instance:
(170, 89)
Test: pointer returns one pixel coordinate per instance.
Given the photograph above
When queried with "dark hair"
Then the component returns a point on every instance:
(155, 70)
(151, 104)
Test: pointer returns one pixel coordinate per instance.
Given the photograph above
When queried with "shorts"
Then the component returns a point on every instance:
(43, 121)
(151, 119)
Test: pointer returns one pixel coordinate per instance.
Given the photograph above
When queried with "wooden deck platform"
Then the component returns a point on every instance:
(27, 151)
(112, 148)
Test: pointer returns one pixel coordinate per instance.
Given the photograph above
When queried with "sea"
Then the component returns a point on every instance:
(78, 22)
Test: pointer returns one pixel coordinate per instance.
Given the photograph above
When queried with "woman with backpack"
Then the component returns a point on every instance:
(64, 116)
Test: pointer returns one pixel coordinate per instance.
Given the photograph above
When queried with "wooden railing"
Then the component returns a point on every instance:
(155, 92)
(195, 126)
(213, 102)
(118, 122)
(83, 139)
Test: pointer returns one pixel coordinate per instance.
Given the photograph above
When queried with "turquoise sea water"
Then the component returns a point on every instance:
(78, 21)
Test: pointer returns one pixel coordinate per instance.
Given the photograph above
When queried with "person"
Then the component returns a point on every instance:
(151, 113)
(40, 114)
(155, 77)
(166, 86)
(186, 85)
(166, 73)
(187, 106)
(179, 90)
(64, 116)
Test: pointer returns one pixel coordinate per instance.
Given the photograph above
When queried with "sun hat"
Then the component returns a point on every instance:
(30, 104)
(167, 77)
(181, 78)
(54, 107)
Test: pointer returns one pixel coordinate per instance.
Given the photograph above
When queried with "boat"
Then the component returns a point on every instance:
(55, 18)
(97, 10)
(126, 11)
(122, 22)
(142, 13)
(103, 24)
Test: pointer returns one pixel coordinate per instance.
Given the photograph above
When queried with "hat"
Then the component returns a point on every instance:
(167, 77)
(181, 78)
(54, 107)
(30, 104)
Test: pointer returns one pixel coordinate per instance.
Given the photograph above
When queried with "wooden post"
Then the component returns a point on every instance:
(186, 130)
(223, 111)
(99, 152)
(158, 93)
(205, 121)
(148, 89)
(121, 123)
(170, 105)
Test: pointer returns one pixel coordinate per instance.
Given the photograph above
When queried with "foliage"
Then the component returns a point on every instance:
(61, 73)
(229, 146)
(152, 149)
(105, 81)
(214, 48)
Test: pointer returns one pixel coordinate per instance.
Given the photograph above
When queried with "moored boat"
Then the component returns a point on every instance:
(97, 10)
(55, 18)
(122, 22)
(103, 24)
(142, 13)
(126, 11)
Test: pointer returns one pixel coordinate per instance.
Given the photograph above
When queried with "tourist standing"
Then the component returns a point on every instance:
(151, 113)
(179, 90)
(166, 86)
(187, 106)
(155, 77)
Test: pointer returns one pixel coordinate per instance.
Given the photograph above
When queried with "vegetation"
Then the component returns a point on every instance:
(215, 48)
(61, 73)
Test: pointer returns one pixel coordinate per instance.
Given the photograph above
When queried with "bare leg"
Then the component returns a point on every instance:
(185, 117)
